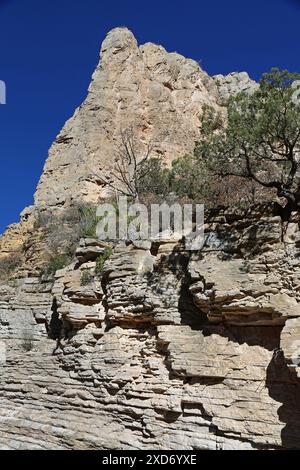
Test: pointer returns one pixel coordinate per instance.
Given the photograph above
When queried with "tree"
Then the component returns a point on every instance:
(189, 178)
(154, 178)
(129, 167)
(260, 139)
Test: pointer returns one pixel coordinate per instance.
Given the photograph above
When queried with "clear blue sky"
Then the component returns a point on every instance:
(49, 50)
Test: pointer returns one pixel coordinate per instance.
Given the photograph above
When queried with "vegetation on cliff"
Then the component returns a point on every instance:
(260, 141)
(250, 156)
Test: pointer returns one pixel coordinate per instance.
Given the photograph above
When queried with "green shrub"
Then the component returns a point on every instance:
(153, 178)
(64, 228)
(101, 260)
(56, 262)
(259, 142)
(88, 220)
(86, 278)
(189, 179)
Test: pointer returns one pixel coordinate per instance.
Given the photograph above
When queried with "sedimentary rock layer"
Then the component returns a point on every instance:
(133, 361)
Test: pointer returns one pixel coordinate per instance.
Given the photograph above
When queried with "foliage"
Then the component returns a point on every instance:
(188, 178)
(153, 178)
(61, 231)
(56, 262)
(260, 142)
(88, 220)
(101, 260)
(68, 224)
(86, 278)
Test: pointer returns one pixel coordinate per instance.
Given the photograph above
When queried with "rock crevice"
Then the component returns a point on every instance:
(120, 354)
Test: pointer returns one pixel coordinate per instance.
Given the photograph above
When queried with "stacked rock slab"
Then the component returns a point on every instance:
(131, 361)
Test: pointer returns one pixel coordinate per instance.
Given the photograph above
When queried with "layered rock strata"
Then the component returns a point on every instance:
(165, 349)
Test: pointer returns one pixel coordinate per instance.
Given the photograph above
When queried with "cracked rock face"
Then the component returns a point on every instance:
(164, 348)
(160, 94)
(233, 83)
(247, 271)
(176, 350)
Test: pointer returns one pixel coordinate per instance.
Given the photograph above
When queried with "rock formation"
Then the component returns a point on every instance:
(160, 94)
(164, 348)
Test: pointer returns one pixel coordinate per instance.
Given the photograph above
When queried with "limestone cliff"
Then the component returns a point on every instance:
(164, 349)
(160, 94)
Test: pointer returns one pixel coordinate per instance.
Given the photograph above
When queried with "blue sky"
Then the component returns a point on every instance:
(50, 49)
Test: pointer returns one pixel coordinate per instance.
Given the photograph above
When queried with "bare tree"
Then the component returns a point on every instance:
(129, 169)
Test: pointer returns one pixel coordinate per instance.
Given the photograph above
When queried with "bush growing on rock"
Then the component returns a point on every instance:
(68, 224)
(260, 141)
(101, 260)
(154, 178)
(189, 180)
(56, 262)
(86, 278)
(88, 220)
(250, 156)
(61, 232)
